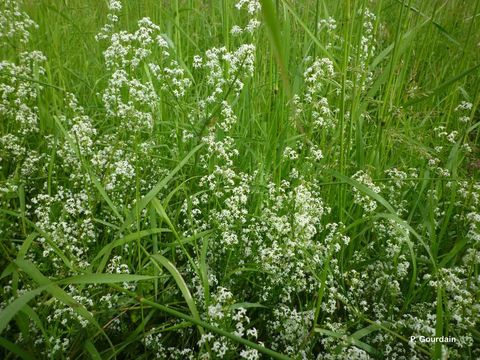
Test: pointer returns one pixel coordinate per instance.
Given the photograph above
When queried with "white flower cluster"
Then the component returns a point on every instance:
(366, 202)
(19, 113)
(59, 345)
(367, 48)
(114, 7)
(464, 108)
(326, 31)
(65, 315)
(128, 97)
(399, 181)
(447, 139)
(82, 131)
(66, 222)
(135, 109)
(15, 24)
(253, 8)
(290, 328)
(367, 42)
(315, 75)
(153, 342)
(330, 24)
(225, 314)
(279, 266)
(287, 242)
(469, 215)
(318, 76)
(225, 70)
(17, 94)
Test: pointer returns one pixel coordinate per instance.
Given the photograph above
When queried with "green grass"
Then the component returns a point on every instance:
(322, 204)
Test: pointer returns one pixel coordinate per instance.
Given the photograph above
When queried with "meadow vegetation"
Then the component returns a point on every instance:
(239, 179)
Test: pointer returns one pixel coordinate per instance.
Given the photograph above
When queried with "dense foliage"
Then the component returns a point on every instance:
(239, 179)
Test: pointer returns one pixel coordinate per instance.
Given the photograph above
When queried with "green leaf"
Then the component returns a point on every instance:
(247, 305)
(386, 327)
(103, 279)
(364, 189)
(27, 310)
(189, 239)
(26, 245)
(349, 339)
(273, 26)
(459, 245)
(15, 349)
(47, 237)
(180, 283)
(312, 36)
(436, 24)
(203, 271)
(107, 249)
(16, 305)
(57, 293)
(49, 286)
(157, 205)
(270, 353)
(92, 350)
(365, 331)
(156, 189)
(443, 86)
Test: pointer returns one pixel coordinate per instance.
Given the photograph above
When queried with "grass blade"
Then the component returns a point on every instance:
(17, 305)
(443, 86)
(107, 249)
(103, 279)
(58, 293)
(312, 36)
(15, 349)
(273, 26)
(349, 339)
(205, 325)
(156, 189)
(92, 350)
(180, 283)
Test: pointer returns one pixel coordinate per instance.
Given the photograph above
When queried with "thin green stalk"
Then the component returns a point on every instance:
(203, 324)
